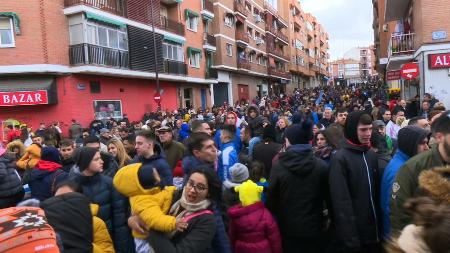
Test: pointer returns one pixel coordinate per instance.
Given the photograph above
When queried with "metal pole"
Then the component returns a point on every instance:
(155, 52)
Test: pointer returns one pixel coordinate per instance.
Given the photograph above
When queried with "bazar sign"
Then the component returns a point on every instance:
(14, 98)
(439, 61)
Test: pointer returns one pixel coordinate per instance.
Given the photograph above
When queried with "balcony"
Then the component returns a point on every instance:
(116, 7)
(243, 64)
(277, 33)
(172, 26)
(175, 67)
(402, 44)
(209, 40)
(279, 53)
(211, 73)
(240, 8)
(314, 68)
(207, 5)
(86, 54)
(272, 71)
(242, 38)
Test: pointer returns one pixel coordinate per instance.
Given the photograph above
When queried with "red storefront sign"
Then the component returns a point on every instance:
(410, 71)
(15, 98)
(393, 75)
(439, 61)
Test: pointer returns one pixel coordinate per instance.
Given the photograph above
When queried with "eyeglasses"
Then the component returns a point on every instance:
(197, 187)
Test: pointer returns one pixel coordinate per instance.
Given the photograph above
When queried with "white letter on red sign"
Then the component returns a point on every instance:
(6, 99)
(37, 97)
(438, 61)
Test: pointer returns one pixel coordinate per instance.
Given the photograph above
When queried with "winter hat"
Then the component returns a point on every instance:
(249, 192)
(351, 126)
(235, 116)
(409, 138)
(178, 170)
(299, 133)
(378, 123)
(84, 157)
(104, 130)
(145, 176)
(239, 173)
(50, 154)
(269, 133)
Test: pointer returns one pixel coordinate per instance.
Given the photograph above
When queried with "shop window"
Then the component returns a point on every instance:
(95, 87)
(6, 32)
(106, 109)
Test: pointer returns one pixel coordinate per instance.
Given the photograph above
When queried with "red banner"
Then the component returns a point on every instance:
(439, 61)
(15, 98)
(393, 75)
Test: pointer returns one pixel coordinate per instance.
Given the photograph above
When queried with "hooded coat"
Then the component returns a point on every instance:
(30, 158)
(256, 123)
(297, 190)
(10, 183)
(408, 139)
(353, 182)
(253, 229)
(44, 179)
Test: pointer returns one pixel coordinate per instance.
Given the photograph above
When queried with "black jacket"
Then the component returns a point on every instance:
(110, 165)
(70, 215)
(67, 164)
(297, 191)
(264, 152)
(113, 207)
(10, 183)
(354, 195)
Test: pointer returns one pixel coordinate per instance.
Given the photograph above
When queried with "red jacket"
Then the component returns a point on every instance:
(253, 229)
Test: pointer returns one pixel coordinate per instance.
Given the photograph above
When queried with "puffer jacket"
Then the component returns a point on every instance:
(30, 158)
(253, 229)
(110, 165)
(102, 242)
(10, 183)
(44, 179)
(113, 207)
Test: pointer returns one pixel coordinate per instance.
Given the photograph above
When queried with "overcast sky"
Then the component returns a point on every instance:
(348, 22)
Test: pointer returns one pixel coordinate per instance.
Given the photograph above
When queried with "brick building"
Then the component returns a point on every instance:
(414, 31)
(358, 65)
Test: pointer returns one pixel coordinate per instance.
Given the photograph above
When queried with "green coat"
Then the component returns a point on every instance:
(406, 185)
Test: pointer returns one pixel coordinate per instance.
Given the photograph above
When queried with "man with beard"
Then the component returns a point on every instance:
(405, 185)
(67, 150)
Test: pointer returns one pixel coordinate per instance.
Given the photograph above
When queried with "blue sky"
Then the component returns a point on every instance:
(348, 22)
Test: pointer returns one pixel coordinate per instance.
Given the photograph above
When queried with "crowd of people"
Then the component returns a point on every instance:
(329, 169)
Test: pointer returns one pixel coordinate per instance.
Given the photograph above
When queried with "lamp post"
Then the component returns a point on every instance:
(158, 89)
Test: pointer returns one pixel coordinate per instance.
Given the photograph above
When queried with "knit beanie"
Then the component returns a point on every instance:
(145, 176)
(269, 133)
(50, 154)
(84, 157)
(409, 138)
(300, 133)
(351, 126)
(239, 173)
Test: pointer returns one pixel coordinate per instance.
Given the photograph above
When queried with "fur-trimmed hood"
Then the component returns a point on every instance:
(436, 183)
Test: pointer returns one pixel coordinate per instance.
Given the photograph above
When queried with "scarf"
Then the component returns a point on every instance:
(183, 208)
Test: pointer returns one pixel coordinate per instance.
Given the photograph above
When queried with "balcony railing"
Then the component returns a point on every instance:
(272, 71)
(208, 6)
(92, 54)
(243, 64)
(175, 67)
(277, 33)
(209, 39)
(278, 52)
(401, 44)
(240, 36)
(211, 73)
(172, 26)
(238, 7)
(117, 7)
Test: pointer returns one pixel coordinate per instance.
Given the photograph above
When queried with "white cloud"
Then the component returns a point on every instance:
(348, 22)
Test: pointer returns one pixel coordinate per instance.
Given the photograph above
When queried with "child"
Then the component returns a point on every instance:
(256, 175)
(252, 227)
(149, 201)
(228, 155)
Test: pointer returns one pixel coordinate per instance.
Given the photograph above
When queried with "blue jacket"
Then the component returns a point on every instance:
(184, 132)
(386, 188)
(160, 164)
(227, 158)
(237, 140)
(43, 180)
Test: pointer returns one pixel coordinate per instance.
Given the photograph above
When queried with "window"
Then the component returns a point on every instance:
(192, 23)
(250, 32)
(76, 34)
(229, 48)
(248, 6)
(106, 109)
(101, 35)
(251, 57)
(229, 20)
(194, 60)
(173, 52)
(95, 87)
(255, 11)
(6, 33)
(298, 44)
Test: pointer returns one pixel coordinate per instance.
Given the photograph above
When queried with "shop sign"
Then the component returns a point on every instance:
(439, 61)
(410, 71)
(15, 98)
(393, 75)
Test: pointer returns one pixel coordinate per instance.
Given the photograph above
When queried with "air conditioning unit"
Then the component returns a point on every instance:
(259, 41)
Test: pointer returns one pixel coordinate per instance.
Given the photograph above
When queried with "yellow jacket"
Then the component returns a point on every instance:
(102, 242)
(30, 158)
(151, 205)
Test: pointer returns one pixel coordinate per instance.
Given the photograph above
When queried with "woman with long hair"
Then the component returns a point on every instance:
(116, 149)
(282, 124)
(322, 148)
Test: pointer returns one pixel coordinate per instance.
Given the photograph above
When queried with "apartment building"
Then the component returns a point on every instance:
(356, 66)
(85, 59)
(346, 71)
(414, 32)
(309, 49)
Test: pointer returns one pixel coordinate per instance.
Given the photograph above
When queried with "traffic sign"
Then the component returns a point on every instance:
(410, 71)
(157, 97)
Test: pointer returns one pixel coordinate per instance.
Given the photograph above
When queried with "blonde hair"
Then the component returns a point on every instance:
(122, 155)
(285, 119)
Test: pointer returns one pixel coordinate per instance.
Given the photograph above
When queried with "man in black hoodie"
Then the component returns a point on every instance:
(353, 185)
(297, 190)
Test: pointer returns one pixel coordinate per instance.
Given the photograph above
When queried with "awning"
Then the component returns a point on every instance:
(190, 13)
(15, 19)
(15, 91)
(104, 20)
(240, 19)
(191, 50)
(173, 39)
